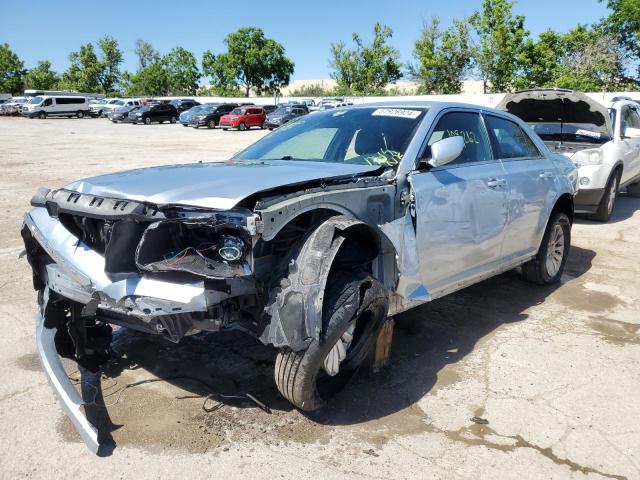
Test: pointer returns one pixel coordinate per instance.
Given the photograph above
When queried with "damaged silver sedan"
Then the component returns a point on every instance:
(307, 240)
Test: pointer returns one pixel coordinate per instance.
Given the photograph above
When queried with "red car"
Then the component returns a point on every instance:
(244, 118)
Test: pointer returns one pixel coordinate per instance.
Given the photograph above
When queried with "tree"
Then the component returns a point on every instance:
(366, 69)
(252, 62)
(146, 53)
(501, 37)
(41, 77)
(624, 24)
(153, 80)
(110, 61)
(540, 62)
(442, 57)
(83, 74)
(11, 71)
(183, 71)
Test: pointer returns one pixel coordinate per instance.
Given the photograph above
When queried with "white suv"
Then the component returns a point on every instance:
(603, 144)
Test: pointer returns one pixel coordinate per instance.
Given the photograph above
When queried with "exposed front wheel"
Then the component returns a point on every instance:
(211, 123)
(172, 120)
(605, 207)
(547, 266)
(354, 310)
(147, 121)
(42, 115)
(242, 127)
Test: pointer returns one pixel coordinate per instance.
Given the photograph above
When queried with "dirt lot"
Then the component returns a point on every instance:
(554, 371)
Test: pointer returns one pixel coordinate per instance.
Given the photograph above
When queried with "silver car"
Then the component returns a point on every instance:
(307, 240)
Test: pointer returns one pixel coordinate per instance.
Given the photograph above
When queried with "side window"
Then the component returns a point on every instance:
(467, 125)
(629, 119)
(509, 140)
(48, 102)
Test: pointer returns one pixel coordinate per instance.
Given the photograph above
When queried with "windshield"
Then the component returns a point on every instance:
(572, 132)
(145, 108)
(281, 111)
(364, 136)
(238, 111)
(35, 100)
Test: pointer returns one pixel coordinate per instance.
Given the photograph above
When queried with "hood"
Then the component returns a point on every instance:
(219, 186)
(555, 106)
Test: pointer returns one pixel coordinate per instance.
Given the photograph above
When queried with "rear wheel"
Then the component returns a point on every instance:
(147, 121)
(80, 114)
(605, 207)
(354, 310)
(547, 266)
(242, 127)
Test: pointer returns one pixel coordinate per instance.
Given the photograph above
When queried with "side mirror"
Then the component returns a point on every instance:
(631, 132)
(445, 151)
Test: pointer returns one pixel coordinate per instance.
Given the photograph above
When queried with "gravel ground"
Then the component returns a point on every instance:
(554, 371)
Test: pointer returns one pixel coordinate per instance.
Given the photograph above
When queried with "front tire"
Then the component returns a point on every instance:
(605, 207)
(147, 121)
(211, 123)
(172, 120)
(42, 115)
(242, 127)
(547, 266)
(354, 310)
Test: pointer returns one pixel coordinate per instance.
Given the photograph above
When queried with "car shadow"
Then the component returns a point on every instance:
(624, 209)
(426, 340)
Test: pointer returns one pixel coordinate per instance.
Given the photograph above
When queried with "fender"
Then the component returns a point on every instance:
(295, 307)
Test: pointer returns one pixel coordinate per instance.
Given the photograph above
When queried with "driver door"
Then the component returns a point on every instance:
(461, 208)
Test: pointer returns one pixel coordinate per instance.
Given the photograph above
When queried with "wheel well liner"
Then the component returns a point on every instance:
(294, 306)
(564, 204)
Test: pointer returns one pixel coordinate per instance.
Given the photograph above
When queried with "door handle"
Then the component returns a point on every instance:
(545, 175)
(496, 182)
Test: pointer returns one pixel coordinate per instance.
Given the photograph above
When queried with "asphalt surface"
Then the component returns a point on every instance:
(502, 380)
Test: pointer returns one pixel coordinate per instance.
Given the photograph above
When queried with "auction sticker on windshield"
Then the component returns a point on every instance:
(588, 133)
(396, 112)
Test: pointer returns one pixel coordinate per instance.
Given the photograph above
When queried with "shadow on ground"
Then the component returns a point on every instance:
(426, 340)
(624, 209)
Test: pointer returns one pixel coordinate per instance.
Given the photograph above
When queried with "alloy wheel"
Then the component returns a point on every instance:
(555, 250)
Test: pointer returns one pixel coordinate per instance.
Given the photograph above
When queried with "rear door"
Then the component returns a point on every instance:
(461, 207)
(531, 185)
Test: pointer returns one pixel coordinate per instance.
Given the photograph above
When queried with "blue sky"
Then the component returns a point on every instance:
(38, 30)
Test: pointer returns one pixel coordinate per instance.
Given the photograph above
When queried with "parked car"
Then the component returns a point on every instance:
(13, 106)
(56, 105)
(124, 102)
(184, 104)
(186, 117)
(282, 115)
(307, 240)
(121, 115)
(159, 112)
(97, 109)
(243, 118)
(210, 117)
(604, 145)
(269, 108)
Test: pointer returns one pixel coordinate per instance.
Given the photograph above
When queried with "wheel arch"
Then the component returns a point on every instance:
(564, 204)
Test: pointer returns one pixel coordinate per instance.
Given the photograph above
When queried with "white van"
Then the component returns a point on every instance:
(60, 105)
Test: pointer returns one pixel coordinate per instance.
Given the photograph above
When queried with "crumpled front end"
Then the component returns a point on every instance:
(99, 261)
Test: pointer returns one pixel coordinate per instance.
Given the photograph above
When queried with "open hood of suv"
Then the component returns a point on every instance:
(554, 106)
(219, 186)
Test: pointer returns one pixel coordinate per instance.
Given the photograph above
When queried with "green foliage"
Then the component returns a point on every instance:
(624, 23)
(11, 71)
(182, 70)
(442, 57)
(88, 73)
(501, 37)
(41, 77)
(146, 53)
(110, 61)
(366, 69)
(252, 62)
(152, 80)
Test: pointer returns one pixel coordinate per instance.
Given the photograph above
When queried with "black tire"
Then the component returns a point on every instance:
(80, 114)
(607, 203)
(211, 123)
(172, 120)
(633, 190)
(42, 115)
(147, 121)
(350, 297)
(262, 126)
(270, 128)
(185, 125)
(242, 126)
(538, 270)
(225, 129)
